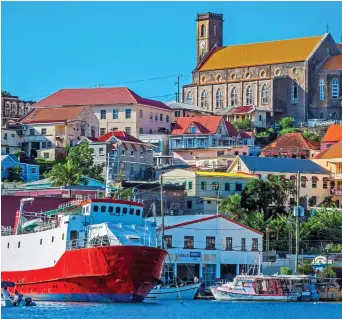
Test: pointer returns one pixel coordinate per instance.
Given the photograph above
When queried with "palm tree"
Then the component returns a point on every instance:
(256, 220)
(328, 202)
(232, 206)
(65, 174)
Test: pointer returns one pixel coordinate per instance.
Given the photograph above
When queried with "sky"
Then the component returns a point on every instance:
(47, 46)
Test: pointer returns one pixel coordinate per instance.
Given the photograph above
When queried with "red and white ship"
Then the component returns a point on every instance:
(97, 250)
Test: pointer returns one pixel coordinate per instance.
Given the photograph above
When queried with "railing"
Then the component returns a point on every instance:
(6, 230)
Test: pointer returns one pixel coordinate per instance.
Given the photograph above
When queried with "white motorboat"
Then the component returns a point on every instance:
(172, 292)
(9, 301)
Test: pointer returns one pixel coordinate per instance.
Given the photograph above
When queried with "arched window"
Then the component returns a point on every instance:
(294, 92)
(7, 108)
(204, 100)
(321, 89)
(215, 30)
(334, 89)
(189, 98)
(264, 94)
(219, 101)
(202, 30)
(321, 116)
(27, 108)
(14, 108)
(21, 109)
(334, 116)
(249, 96)
(233, 97)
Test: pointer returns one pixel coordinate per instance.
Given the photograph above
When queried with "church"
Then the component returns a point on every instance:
(264, 82)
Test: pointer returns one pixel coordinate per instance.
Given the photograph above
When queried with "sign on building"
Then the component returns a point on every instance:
(190, 256)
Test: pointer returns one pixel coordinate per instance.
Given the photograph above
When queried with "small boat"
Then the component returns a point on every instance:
(173, 292)
(254, 288)
(9, 301)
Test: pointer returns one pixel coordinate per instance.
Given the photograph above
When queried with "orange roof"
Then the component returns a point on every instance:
(339, 45)
(333, 134)
(334, 151)
(291, 142)
(333, 63)
(53, 114)
(263, 53)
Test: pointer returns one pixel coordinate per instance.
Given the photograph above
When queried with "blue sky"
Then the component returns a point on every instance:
(47, 46)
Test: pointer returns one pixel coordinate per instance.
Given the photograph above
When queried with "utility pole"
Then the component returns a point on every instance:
(297, 221)
(162, 208)
(178, 88)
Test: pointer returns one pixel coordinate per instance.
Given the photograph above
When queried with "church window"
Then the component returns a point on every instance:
(294, 92)
(321, 116)
(21, 109)
(189, 98)
(203, 78)
(233, 97)
(202, 30)
(27, 108)
(321, 89)
(277, 72)
(219, 101)
(7, 108)
(295, 71)
(262, 73)
(264, 94)
(249, 96)
(334, 116)
(248, 75)
(218, 77)
(334, 89)
(14, 108)
(215, 30)
(233, 76)
(204, 100)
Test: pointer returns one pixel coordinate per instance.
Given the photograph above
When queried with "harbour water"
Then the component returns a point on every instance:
(176, 310)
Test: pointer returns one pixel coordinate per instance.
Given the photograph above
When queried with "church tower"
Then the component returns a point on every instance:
(209, 32)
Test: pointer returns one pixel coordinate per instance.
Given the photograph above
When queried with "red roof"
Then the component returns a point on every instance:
(241, 110)
(291, 142)
(205, 124)
(53, 114)
(97, 96)
(195, 221)
(339, 45)
(121, 135)
(334, 151)
(333, 134)
(333, 63)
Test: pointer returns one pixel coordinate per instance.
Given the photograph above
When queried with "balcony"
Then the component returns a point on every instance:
(337, 176)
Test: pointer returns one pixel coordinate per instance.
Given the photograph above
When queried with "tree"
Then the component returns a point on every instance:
(15, 173)
(244, 124)
(328, 202)
(256, 220)
(6, 93)
(312, 136)
(327, 272)
(287, 130)
(285, 271)
(286, 122)
(65, 174)
(278, 226)
(305, 268)
(232, 206)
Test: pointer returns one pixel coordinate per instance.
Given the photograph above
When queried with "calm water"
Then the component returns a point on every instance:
(175, 310)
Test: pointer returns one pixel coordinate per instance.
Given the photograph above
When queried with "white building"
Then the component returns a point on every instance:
(210, 247)
(9, 141)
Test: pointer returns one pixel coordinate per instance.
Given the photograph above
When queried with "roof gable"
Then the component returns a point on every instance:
(120, 135)
(334, 151)
(209, 123)
(333, 134)
(273, 52)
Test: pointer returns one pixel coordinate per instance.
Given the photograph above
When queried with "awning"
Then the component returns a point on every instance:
(125, 146)
(143, 148)
(293, 177)
(133, 146)
(315, 178)
(325, 179)
(275, 153)
(303, 178)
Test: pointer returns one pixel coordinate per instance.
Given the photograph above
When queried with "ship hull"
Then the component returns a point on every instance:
(98, 274)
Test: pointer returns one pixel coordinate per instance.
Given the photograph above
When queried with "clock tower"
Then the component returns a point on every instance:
(209, 33)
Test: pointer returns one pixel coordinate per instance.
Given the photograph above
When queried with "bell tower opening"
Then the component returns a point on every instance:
(209, 33)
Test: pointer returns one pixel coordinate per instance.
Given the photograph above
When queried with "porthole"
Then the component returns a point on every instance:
(117, 210)
(248, 75)
(218, 77)
(96, 208)
(103, 209)
(131, 211)
(124, 211)
(262, 73)
(203, 79)
(137, 212)
(110, 210)
(277, 72)
(233, 76)
(295, 71)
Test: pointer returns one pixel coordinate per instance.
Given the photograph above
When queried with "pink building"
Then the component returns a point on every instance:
(331, 137)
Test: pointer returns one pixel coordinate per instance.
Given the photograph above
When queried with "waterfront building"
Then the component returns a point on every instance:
(206, 137)
(46, 132)
(205, 189)
(9, 141)
(209, 247)
(131, 158)
(291, 145)
(332, 136)
(12, 108)
(117, 109)
(300, 78)
(314, 179)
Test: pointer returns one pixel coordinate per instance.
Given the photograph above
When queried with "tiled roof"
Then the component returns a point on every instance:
(333, 63)
(53, 114)
(281, 51)
(206, 124)
(291, 142)
(97, 96)
(334, 151)
(121, 135)
(184, 106)
(333, 134)
(339, 45)
(281, 165)
(241, 110)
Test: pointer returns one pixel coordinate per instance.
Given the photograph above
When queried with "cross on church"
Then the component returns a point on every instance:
(327, 28)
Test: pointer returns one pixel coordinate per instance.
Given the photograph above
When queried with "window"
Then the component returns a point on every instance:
(141, 154)
(215, 186)
(260, 118)
(131, 211)
(334, 89)
(220, 153)
(101, 151)
(190, 185)
(219, 100)
(177, 114)
(31, 131)
(249, 96)
(168, 241)
(128, 113)
(303, 182)
(321, 89)
(115, 114)
(243, 243)
(255, 244)
(161, 117)
(33, 170)
(193, 129)
(7, 150)
(141, 114)
(264, 94)
(43, 131)
(117, 210)
(189, 99)
(215, 30)
(102, 131)
(204, 99)
(8, 245)
(226, 186)
(203, 185)
(110, 210)
(314, 182)
(238, 187)
(41, 241)
(314, 200)
(321, 116)
(229, 243)
(156, 117)
(188, 242)
(103, 114)
(132, 153)
(124, 210)
(294, 93)
(43, 144)
(151, 117)
(123, 152)
(62, 236)
(167, 119)
(96, 208)
(46, 155)
(113, 129)
(103, 209)
(210, 243)
(189, 204)
(202, 30)
(233, 97)
(18, 244)
(137, 212)
(325, 182)
(5, 136)
(128, 130)
(141, 131)
(238, 165)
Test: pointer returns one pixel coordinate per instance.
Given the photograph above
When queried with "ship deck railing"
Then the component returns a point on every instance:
(6, 230)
